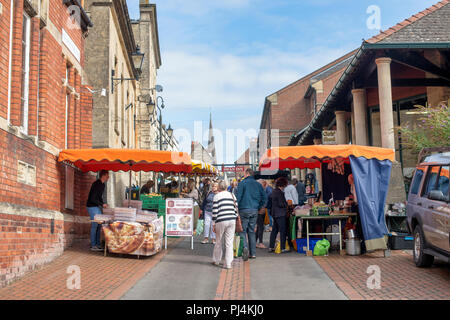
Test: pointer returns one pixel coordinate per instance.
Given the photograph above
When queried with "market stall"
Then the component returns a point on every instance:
(129, 229)
(371, 168)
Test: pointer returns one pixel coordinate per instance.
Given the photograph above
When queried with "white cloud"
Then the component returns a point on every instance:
(221, 80)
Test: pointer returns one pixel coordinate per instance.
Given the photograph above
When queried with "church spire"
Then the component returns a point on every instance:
(211, 144)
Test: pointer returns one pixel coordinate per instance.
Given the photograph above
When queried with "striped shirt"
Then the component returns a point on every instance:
(224, 207)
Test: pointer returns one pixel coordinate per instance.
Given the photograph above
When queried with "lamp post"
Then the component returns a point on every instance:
(160, 119)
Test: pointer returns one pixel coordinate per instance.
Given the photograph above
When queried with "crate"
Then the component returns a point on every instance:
(301, 244)
(401, 241)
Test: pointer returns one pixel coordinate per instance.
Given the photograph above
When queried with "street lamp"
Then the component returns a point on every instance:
(138, 59)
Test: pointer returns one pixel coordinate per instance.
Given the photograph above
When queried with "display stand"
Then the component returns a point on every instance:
(179, 219)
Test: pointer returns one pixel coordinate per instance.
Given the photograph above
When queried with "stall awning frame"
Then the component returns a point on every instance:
(125, 160)
(311, 157)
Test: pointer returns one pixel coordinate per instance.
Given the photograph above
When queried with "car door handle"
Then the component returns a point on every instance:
(430, 207)
(419, 203)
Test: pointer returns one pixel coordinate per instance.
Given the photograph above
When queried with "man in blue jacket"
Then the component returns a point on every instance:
(251, 199)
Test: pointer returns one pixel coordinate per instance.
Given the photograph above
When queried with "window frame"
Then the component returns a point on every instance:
(25, 73)
(425, 183)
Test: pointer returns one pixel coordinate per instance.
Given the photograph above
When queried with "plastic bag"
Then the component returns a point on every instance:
(266, 218)
(200, 225)
(238, 246)
(321, 247)
(278, 246)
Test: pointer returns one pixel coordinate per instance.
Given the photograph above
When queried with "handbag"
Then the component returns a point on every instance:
(238, 228)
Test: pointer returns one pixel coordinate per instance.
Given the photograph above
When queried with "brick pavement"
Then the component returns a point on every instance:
(102, 277)
(234, 284)
(400, 278)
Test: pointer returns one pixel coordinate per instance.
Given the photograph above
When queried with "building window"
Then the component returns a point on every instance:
(25, 71)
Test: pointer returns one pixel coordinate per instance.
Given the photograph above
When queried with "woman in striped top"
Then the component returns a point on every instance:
(224, 223)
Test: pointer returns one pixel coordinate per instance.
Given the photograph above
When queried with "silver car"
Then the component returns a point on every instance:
(428, 210)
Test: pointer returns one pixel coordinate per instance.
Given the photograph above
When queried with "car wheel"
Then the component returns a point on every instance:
(421, 259)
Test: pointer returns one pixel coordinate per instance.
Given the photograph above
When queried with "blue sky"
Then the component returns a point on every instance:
(226, 56)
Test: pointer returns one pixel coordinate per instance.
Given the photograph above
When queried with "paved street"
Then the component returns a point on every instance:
(180, 273)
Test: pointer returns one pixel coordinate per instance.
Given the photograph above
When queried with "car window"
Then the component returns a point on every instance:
(430, 183)
(416, 181)
(442, 183)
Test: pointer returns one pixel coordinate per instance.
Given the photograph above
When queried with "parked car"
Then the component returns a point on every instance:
(428, 210)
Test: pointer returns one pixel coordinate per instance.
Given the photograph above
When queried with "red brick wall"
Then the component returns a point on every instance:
(26, 240)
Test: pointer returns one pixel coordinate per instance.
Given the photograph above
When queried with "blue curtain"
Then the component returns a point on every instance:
(371, 178)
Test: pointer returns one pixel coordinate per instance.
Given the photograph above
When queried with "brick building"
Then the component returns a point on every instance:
(404, 66)
(45, 106)
(291, 108)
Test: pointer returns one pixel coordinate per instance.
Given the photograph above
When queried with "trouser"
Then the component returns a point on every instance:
(270, 217)
(279, 225)
(208, 232)
(260, 227)
(248, 218)
(225, 236)
(95, 227)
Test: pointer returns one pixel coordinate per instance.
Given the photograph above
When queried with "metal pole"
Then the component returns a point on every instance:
(160, 129)
(129, 191)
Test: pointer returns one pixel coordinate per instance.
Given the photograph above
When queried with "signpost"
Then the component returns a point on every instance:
(179, 219)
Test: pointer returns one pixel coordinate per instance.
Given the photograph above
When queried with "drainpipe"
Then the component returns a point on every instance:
(11, 24)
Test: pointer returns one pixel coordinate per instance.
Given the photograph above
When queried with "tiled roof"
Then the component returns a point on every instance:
(431, 25)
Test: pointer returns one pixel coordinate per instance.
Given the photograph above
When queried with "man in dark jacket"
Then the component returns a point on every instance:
(251, 199)
(279, 211)
(94, 206)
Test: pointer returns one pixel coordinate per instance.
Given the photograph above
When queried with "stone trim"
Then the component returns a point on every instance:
(16, 210)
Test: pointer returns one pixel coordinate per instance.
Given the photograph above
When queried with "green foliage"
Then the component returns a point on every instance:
(431, 130)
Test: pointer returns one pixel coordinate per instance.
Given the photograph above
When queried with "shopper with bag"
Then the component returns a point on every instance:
(207, 207)
(279, 213)
(224, 217)
(251, 198)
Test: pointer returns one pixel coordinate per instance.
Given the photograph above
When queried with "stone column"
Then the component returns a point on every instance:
(360, 116)
(385, 97)
(318, 171)
(341, 127)
(353, 126)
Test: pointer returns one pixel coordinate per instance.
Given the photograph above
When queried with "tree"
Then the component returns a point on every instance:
(431, 130)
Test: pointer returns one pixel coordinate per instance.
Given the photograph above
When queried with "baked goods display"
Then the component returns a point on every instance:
(134, 238)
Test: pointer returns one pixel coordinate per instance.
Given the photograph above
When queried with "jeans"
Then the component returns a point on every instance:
(95, 228)
(260, 227)
(248, 218)
(208, 229)
(279, 225)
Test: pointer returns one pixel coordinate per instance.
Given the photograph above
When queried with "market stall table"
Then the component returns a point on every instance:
(371, 169)
(142, 238)
(307, 218)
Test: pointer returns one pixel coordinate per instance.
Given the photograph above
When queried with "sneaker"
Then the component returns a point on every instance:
(205, 241)
(252, 257)
(225, 267)
(95, 248)
(285, 250)
(271, 250)
(217, 264)
(245, 254)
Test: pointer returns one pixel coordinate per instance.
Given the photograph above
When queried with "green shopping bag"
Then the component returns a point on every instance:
(200, 225)
(238, 246)
(321, 247)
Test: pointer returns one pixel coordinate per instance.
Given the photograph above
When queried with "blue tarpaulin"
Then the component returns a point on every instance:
(371, 178)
